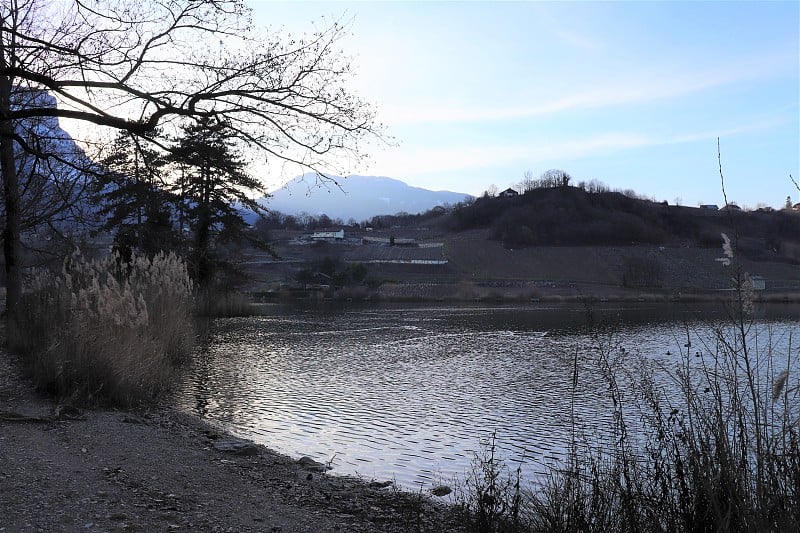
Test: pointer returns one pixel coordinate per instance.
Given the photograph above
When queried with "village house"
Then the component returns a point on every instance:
(759, 283)
(328, 235)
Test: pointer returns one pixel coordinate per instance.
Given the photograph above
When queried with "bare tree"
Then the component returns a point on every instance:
(51, 190)
(135, 65)
(528, 182)
(555, 178)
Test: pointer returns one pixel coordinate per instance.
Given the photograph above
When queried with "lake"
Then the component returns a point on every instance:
(410, 392)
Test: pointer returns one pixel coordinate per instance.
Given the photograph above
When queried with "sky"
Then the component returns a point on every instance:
(634, 94)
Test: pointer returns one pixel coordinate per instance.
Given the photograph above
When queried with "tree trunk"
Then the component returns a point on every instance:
(11, 236)
(203, 236)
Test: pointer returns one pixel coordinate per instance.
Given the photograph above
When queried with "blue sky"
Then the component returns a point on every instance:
(633, 94)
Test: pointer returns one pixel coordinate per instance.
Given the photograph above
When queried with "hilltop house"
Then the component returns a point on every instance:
(508, 193)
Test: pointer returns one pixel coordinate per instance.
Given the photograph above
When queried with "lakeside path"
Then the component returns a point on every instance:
(159, 470)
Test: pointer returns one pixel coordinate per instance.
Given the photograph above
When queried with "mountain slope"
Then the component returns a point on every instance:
(360, 197)
(52, 187)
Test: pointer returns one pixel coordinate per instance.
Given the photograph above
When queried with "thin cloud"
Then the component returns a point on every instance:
(449, 159)
(414, 162)
(645, 87)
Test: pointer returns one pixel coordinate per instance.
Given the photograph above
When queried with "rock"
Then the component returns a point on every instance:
(68, 412)
(237, 447)
(441, 490)
(133, 419)
(311, 465)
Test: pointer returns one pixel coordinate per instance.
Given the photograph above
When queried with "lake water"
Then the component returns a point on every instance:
(410, 392)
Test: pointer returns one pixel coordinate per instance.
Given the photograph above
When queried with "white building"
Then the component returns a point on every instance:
(328, 235)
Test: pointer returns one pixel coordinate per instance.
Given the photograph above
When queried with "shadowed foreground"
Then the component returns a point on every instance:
(159, 471)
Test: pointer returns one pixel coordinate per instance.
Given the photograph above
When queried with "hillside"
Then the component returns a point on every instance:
(570, 216)
(554, 243)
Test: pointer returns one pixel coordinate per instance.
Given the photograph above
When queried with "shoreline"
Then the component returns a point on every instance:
(159, 469)
(437, 293)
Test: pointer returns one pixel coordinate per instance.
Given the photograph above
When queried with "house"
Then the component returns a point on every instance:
(328, 235)
(508, 193)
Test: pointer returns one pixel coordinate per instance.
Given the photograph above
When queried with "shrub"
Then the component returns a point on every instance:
(641, 272)
(490, 500)
(105, 330)
(718, 450)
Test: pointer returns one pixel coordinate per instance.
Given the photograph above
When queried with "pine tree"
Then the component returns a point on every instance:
(134, 201)
(213, 184)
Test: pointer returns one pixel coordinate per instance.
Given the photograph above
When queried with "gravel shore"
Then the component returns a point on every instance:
(63, 469)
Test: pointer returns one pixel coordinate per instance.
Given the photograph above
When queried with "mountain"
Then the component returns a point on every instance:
(52, 187)
(360, 197)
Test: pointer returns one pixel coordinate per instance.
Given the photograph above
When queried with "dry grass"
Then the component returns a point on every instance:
(718, 450)
(105, 330)
(721, 455)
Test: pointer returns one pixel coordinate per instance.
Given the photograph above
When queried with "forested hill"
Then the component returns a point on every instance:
(573, 216)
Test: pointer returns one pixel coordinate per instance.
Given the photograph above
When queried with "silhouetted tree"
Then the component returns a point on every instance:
(134, 203)
(135, 65)
(555, 178)
(215, 181)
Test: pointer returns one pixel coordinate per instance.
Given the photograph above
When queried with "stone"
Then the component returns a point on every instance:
(311, 465)
(237, 447)
(380, 484)
(68, 412)
(441, 490)
(133, 419)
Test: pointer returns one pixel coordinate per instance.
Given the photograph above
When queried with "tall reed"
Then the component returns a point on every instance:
(105, 330)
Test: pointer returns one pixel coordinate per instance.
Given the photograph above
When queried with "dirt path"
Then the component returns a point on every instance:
(161, 470)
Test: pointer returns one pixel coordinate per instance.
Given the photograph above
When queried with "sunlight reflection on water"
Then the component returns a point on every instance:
(409, 393)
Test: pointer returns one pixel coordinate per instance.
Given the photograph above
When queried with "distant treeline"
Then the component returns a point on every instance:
(306, 222)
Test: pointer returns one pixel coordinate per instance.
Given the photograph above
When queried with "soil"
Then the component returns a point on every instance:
(482, 268)
(156, 469)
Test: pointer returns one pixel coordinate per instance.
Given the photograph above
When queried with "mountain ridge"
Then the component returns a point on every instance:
(355, 197)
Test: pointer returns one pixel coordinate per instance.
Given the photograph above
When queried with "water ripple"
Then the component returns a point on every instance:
(403, 393)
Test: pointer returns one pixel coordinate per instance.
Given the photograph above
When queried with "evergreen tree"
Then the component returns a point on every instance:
(135, 204)
(213, 185)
